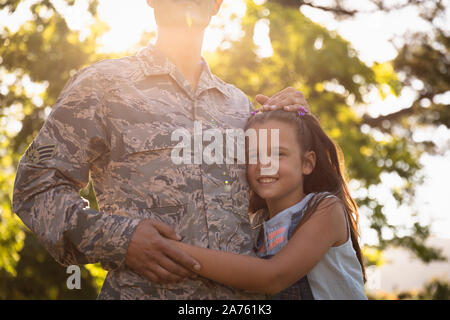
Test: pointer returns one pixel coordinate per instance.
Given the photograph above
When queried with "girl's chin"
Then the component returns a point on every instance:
(267, 195)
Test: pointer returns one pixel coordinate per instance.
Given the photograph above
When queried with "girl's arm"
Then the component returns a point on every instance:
(326, 227)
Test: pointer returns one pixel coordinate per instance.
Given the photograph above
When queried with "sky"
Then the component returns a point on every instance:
(369, 35)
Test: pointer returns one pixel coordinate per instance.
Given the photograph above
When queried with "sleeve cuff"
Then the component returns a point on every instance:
(116, 238)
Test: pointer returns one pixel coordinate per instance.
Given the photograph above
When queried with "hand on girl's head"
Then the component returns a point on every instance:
(288, 99)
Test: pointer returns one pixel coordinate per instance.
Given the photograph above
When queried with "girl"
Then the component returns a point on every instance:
(306, 202)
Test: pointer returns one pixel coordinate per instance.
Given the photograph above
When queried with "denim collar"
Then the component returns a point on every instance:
(276, 229)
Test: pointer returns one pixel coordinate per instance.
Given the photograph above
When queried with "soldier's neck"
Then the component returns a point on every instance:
(183, 47)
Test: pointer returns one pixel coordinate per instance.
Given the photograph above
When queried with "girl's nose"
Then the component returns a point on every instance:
(264, 164)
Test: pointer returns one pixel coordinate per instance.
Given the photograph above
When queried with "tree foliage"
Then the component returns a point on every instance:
(422, 57)
(305, 55)
(43, 51)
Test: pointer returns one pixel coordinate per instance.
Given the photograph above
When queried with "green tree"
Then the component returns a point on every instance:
(43, 51)
(305, 55)
(422, 59)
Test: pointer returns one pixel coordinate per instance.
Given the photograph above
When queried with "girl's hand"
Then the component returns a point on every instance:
(287, 99)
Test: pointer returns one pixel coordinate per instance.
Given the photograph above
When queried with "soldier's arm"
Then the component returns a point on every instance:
(54, 169)
(303, 251)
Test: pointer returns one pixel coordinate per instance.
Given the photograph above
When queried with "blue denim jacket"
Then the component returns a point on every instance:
(274, 235)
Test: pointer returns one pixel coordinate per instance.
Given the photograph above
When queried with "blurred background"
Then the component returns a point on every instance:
(375, 72)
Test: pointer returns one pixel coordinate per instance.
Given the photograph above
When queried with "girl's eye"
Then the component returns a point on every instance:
(279, 154)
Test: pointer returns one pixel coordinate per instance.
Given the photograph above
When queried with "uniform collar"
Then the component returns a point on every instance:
(154, 62)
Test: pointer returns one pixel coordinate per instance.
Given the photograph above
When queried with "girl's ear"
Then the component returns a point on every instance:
(150, 3)
(309, 162)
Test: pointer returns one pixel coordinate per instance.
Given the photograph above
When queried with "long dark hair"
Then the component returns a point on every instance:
(329, 174)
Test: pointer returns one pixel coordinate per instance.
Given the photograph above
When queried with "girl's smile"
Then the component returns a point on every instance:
(267, 180)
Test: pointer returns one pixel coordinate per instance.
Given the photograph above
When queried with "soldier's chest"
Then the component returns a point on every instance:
(158, 115)
(167, 149)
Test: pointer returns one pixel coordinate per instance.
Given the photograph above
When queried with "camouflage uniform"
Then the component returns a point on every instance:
(113, 121)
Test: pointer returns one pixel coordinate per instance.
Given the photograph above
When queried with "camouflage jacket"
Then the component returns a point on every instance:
(113, 122)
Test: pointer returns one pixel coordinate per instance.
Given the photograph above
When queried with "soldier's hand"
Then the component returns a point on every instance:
(154, 257)
(288, 99)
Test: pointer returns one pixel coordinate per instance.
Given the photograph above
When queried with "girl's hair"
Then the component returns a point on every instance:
(327, 175)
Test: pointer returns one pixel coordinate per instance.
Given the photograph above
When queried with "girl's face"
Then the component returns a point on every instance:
(285, 187)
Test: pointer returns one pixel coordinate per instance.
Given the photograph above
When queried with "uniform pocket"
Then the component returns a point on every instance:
(155, 179)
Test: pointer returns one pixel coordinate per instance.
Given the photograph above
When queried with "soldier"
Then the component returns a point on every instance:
(113, 122)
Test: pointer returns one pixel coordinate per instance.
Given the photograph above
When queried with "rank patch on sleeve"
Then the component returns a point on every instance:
(37, 154)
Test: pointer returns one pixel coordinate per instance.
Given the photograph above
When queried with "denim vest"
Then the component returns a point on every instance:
(274, 235)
